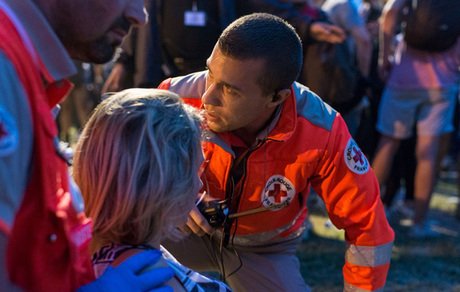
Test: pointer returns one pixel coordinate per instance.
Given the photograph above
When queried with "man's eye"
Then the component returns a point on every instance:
(229, 90)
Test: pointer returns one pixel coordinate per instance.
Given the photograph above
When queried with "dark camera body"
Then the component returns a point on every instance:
(214, 211)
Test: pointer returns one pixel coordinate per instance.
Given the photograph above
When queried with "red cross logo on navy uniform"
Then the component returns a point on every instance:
(277, 192)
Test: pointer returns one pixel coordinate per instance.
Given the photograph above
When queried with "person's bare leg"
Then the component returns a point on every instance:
(427, 151)
(383, 158)
(457, 213)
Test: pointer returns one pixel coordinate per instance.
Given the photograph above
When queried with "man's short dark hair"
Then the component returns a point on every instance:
(268, 37)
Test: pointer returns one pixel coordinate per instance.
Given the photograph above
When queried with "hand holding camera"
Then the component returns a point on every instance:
(217, 212)
(214, 211)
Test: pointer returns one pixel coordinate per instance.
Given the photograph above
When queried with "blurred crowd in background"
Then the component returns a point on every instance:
(341, 42)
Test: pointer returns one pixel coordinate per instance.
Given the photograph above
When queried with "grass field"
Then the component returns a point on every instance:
(416, 265)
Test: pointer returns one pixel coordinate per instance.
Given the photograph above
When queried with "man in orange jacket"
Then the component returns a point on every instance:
(269, 140)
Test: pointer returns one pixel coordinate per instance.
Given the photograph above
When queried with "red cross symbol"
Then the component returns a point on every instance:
(277, 192)
(3, 132)
(358, 156)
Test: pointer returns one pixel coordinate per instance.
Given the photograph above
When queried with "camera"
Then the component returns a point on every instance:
(214, 211)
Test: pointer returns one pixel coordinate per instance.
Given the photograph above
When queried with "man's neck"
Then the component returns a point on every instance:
(249, 134)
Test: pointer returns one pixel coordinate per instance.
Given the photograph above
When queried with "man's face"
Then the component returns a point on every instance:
(233, 99)
(91, 29)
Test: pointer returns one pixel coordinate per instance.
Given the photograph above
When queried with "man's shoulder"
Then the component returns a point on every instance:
(311, 107)
(189, 86)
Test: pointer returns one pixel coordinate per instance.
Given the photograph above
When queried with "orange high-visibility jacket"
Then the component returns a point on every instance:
(48, 245)
(308, 144)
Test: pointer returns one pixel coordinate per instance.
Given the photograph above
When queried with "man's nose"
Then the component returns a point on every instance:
(135, 13)
(211, 95)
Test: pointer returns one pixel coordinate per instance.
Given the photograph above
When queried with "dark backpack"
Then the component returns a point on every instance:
(432, 25)
(189, 30)
(331, 72)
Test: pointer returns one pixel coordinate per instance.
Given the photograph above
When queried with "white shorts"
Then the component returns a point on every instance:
(431, 110)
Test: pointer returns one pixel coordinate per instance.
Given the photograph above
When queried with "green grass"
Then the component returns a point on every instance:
(416, 265)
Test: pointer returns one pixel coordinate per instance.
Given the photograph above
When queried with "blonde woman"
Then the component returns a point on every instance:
(137, 165)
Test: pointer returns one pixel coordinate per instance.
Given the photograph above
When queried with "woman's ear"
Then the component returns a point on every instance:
(279, 97)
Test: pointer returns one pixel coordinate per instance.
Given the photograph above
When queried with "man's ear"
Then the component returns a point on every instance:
(279, 97)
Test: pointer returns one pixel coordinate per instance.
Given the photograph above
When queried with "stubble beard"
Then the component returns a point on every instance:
(99, 51)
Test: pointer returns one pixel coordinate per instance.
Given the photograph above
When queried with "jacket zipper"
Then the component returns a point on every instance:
(227, 227)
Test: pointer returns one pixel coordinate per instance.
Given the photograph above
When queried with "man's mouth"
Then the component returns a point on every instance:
(210, 116)
(117, 34)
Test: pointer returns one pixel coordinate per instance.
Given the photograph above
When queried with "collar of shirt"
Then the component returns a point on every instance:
(54, 61)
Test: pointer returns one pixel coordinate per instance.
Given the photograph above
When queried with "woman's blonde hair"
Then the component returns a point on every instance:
(135, 164)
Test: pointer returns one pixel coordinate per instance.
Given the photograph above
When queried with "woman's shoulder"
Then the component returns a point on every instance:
(184, 278)
(191, 280)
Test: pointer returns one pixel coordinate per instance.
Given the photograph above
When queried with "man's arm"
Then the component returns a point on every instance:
(363, 46)
(388, 23)
(345, 15)
(325, 32)
(350, 190)
(307, 27)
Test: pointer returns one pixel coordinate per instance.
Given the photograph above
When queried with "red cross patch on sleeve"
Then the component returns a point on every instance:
(8, 132)
(355, 159)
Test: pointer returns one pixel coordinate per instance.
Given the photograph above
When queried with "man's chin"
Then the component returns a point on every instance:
(97, 52)
(217, 128)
